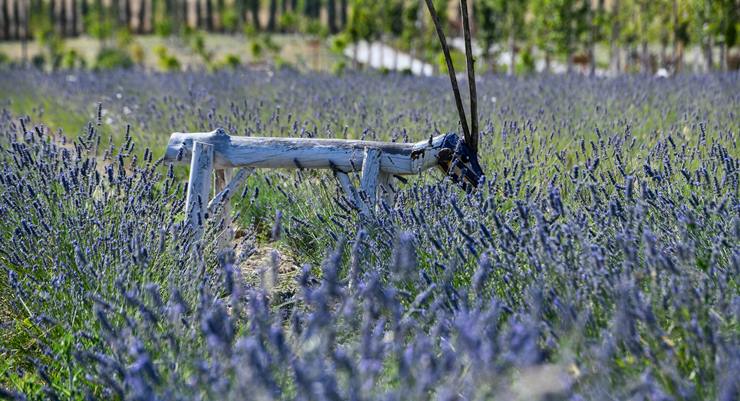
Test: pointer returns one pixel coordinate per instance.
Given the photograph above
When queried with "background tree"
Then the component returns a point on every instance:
(489, 29)
(254, 7)
(512, 14)
(343, 6)
(544, 28)
(331, 15)
(272, 16)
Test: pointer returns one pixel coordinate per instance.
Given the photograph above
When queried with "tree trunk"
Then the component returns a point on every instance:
(674, 37)
(355, 55)
(183, 7)
(512, 53)
(343, 13)
(25, 35)
(645, 58)
(255, 9)
(141, 16)
(11, 25)
(221, 7)
(126, 14)
(198, 15)
(148, 16)
(5, 31)
(84, 11)
(209, 15)
(592, 38)
(62, 17)
(75, 18)
(548, 61)
(272, 20)
(708, 57)
(331, 11)
(723, 56)
(614, 56)
(241, 10)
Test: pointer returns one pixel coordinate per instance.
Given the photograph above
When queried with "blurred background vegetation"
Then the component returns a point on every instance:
(596, 37)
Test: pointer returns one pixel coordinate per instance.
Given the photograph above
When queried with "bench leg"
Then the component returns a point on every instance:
(199, 187)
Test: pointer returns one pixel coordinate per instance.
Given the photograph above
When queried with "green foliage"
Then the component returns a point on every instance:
(289, 22)
(314, 27)
(526, 64)
(113, 58)
(138, 55)
(458, 61)
(53, 46)
(256, 49)
(230, 61)
(38, 61)
(163, 27)
(230, 19)
(339, 43)
(73, 60)
(250, 31)
(97, 25)
(363, 22)
(165, 60)
(339, 67)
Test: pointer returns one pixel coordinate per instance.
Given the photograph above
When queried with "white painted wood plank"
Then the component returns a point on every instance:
(370, 171)
(199, 186)
(347, 155)
(351, 192)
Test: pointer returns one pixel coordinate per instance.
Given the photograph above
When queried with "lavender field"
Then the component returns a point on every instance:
(599, 260)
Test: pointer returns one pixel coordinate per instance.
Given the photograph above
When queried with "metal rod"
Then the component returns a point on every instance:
(471, 140)
(450, 69)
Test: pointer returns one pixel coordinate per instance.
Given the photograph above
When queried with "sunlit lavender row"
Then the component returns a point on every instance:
(598, 260)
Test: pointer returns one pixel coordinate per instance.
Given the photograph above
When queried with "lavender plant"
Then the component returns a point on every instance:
(599, 259)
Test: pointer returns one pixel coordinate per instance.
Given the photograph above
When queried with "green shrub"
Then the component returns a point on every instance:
(230, 19)
(163, 27)
(137, 53)
(113, 57)
(526, 62)
(289, 22)
(458, 61)
(255, 48)
(38, 61)
(339, 44)
(339, 67)
(73, 60)
(165, 60)
(231, 61)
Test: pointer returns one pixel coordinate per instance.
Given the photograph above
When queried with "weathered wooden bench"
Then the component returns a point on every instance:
(216, 153)
(213, 155)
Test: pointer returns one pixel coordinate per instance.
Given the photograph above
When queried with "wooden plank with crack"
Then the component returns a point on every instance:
(199, 186)
(309, 153)
(370, 172)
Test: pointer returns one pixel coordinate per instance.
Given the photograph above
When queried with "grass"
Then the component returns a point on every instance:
(292, 50)
(587, 253)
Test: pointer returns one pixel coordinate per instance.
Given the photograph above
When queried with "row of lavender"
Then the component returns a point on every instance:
(598, 261)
